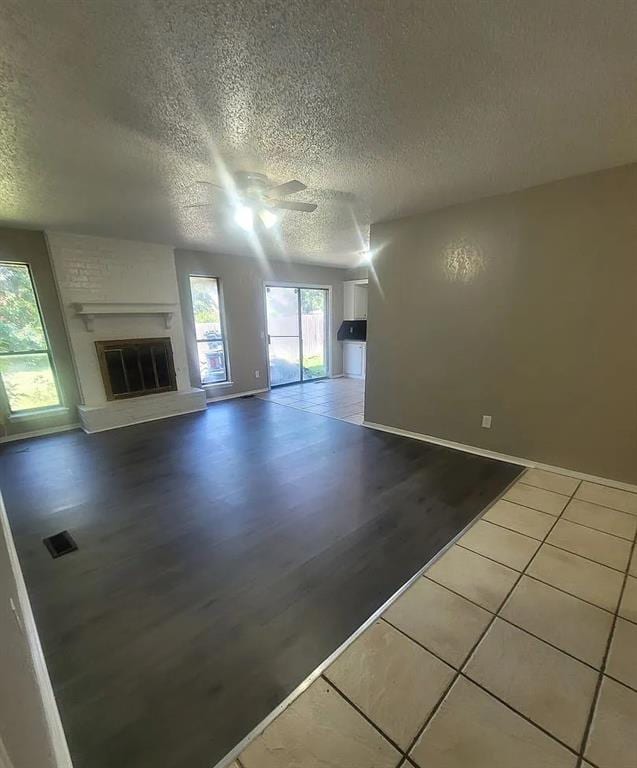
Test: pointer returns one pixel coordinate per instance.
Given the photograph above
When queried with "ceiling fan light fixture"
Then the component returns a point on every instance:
(244, 217)
(268, 219)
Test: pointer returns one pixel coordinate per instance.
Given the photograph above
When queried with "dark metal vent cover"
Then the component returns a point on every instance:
(60, 544)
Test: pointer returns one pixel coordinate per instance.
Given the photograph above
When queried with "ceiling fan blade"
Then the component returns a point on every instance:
(289, 188)
(198, 205)
(291, 205)
(208, 184)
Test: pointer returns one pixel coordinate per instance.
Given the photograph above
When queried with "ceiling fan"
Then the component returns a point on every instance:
(255, 198)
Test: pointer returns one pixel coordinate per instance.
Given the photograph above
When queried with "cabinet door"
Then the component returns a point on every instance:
(360, 302)
(353, 363)
(349, 301)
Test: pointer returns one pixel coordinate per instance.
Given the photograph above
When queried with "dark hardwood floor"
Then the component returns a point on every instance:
(222, 557)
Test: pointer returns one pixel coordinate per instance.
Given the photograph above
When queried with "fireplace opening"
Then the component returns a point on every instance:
(136, 367)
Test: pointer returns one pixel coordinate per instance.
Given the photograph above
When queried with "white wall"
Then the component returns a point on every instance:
(107, 270)
(30, 730)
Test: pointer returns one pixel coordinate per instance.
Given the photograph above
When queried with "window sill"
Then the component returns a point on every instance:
(40, 412)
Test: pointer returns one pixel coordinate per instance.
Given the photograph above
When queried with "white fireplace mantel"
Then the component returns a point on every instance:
(90, 311)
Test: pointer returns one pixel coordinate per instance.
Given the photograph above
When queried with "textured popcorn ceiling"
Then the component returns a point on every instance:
(109, 110)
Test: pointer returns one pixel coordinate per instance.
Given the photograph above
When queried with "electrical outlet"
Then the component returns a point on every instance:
(486, 422)
(257, 374)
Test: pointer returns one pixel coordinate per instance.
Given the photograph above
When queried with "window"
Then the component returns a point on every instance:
(26, 369)
(209, 331)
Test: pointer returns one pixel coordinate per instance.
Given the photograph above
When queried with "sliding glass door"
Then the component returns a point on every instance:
(297, 333)
(284, 335)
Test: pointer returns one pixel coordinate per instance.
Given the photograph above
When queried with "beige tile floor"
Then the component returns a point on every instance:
(518, 647)
(340, 398)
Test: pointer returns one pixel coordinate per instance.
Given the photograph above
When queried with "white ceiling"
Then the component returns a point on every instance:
(109, 111)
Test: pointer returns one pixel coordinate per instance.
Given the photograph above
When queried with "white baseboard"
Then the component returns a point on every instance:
(39, 433)
(501, 456)
(57, 738)
(237, 394)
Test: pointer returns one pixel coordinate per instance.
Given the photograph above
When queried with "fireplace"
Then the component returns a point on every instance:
(136, 367)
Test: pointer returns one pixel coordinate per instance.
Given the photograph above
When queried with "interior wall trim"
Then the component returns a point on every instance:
(5, 760)
(234, 395)
(502, 456)
(39, 432)
(234, 753)
(51, 713)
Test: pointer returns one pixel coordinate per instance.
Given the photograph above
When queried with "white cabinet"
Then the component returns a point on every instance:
(348, 300)
(360, 302)
(354, 359)
(355, 300)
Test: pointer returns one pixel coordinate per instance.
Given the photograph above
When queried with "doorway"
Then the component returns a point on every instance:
(297, 319)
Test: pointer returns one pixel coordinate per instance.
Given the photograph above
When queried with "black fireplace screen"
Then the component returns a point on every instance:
(136, 367)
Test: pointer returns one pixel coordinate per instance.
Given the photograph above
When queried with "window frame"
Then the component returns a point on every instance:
(222, 325)
(4, 397)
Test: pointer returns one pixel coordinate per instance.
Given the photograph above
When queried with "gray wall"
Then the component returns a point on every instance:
(521, 306)
(242, 284)
(29, 247)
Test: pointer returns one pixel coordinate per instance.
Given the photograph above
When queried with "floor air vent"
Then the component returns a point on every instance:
(60, 544)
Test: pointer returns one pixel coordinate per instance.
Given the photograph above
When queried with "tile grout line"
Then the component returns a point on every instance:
(566, 592)
(549, 490)
(541, 488)
(552, 544)
(376, 727)
(528, 576)
(480, 685)
(506, 621)
(535, 509)
(617, 680)
(512, 530)
(572, 496)
(605, 506)
(600, 678)
(455, 677)
(599, 530)
(526, 535)
(633, 515)
(521, 715)
(566, 520)
(313, 413)
(492, 559)
(480, 638)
